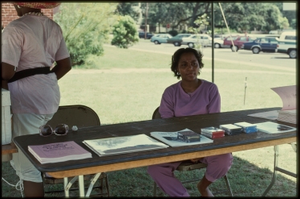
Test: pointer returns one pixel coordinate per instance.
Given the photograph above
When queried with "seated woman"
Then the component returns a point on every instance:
(190, 96)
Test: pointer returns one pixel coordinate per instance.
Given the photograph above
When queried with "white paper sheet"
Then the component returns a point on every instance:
(288, 96)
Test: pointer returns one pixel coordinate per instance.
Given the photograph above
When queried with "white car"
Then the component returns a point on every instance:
(287, 44)
(202, 39)
(218, 43)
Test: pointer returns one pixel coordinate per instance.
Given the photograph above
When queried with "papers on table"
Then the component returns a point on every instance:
(270, 115)
(288, 116)
(288, 112)
(58, 152)
(288, 96)
(272, 127)
(171, 138)
(123, 144)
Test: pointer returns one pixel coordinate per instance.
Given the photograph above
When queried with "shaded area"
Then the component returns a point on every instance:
(246, 179)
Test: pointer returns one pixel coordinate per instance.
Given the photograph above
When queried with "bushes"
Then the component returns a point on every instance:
(124, 32)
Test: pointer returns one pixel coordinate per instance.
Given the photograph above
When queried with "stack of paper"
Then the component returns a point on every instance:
(58, 152)
(288, 96)
(288, 116)
(123, 144)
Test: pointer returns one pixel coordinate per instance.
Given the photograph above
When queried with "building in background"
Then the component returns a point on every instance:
(8, 13)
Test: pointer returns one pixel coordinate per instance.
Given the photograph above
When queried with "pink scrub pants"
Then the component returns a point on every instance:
(163, 174)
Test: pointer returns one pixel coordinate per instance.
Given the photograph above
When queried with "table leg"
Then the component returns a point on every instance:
(274, 171)
(93, 181)
(65, 187)
(81, 185)
(276, 168)
(68, 185)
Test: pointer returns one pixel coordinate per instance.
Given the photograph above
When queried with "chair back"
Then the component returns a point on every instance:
(156, 114)
(75, 115)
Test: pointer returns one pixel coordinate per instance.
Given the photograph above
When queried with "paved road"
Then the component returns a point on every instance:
(268, 60)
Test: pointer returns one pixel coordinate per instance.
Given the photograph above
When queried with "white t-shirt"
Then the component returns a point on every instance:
(30, 42)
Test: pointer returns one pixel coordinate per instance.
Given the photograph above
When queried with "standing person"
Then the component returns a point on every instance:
(31, 44)
(190, 96)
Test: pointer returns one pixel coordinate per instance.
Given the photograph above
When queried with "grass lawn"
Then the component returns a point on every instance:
(124, 86)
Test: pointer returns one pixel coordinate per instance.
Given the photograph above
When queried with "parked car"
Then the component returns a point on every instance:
(264, 44)
(219, 43)
(287, 44)
(238, 41)
(177, 40)
(142, 35)
(202, 39)
(160, 38)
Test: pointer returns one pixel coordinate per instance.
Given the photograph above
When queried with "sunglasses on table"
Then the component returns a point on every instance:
(59, 130)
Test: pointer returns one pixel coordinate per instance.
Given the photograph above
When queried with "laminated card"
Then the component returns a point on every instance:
(272, 127)
(123, 144)
(174, 139)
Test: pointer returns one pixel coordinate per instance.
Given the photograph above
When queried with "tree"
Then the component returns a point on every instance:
(201, 20)
(125, 33)
(290, 15)
(128, 9)
(177, 13)
(85, 28)
(245, 17)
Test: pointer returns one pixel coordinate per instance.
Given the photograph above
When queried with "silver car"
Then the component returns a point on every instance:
(202, 39)
(160, 38)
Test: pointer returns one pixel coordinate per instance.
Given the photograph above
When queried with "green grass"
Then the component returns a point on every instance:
(126, 85)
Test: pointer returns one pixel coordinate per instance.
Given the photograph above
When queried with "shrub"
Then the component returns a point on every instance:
(124, 32)
(173, 32)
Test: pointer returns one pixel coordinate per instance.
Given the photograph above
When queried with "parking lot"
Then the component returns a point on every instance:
(270, 60)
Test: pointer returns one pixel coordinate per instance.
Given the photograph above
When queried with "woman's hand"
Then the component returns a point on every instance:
(196, 160)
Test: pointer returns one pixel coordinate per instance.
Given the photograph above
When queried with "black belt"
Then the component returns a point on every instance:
(29, 72)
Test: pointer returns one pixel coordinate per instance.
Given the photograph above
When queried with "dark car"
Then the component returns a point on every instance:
(238, 41)
(264, 44)
(142, 35)
(177, 40)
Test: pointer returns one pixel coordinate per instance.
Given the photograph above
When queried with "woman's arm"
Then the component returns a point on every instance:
(7, 72)
(62, 67)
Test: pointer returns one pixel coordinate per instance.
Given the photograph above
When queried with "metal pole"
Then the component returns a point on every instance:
(212, 45)
(245, 90)
(146, 16)
(227, 27)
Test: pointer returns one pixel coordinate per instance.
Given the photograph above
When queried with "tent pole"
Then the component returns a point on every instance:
(212, 45)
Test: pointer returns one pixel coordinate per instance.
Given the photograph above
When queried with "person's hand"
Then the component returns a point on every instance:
(195, 160)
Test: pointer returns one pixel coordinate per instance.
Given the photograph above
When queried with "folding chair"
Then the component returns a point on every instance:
(279, 169)
(188, 165)
(80, 116)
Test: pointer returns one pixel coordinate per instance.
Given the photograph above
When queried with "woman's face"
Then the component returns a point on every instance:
(188, 66)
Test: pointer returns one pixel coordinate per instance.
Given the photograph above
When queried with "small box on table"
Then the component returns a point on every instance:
(188, 136)
(212, 132)
(247, 127)
(231, 129)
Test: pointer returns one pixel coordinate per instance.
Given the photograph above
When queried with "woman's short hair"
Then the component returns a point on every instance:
(176, 56)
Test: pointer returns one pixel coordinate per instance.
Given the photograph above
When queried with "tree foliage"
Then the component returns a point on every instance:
(241, 16)
(128, 8)
(85, 28)
(244, 16)
(124, 32)
(201, 20)
(176, 13)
